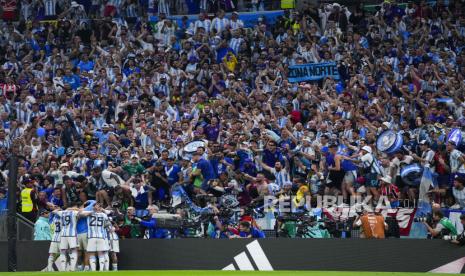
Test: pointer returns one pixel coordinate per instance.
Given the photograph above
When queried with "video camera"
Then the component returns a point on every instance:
(428, 218)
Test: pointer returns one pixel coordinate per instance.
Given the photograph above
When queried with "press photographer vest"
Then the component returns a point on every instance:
(373, 226)
(447, 223)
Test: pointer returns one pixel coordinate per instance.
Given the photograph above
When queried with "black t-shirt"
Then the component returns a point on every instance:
(157, 181)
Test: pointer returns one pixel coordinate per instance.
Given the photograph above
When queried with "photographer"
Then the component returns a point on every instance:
(128, 226)
(151, 225)
(444, 226)
(372, 224)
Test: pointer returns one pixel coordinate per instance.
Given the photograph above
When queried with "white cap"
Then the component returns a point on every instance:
(367, 149)
(153, 207)
(386, 179)
(387, 124)
(307, 139)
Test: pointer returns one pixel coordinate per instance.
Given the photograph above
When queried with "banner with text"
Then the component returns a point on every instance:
(313, 71)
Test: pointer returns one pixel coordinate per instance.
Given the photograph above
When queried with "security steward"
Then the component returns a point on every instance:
(29, 200)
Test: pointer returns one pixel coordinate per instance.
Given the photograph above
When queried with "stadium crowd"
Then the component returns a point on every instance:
(102, 104)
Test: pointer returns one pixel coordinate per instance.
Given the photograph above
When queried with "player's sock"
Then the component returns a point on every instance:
(73, 260)
(93, 263)
(51, 259)
(115, 267)
(62, 262)
(101, 262)
(86, 268)
(107, 262)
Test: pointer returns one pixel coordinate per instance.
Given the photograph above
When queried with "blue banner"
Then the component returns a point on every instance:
(313, 71)
(250, 19)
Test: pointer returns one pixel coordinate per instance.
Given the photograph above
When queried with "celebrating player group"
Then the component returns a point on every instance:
(84, 239)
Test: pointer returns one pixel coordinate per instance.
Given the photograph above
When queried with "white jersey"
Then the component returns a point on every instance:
(50, 9)
(112, 234)
(68, 219)
(56, 226)
(96, 226)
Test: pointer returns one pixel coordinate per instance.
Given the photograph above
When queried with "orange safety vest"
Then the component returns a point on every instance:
(373, 226)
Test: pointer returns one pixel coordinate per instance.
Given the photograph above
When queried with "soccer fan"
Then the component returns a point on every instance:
(248, 231)
(114, 89)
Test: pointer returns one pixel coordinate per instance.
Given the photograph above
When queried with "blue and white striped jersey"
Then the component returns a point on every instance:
(235, 44)
(96, 225)
(206, 24)
(220, 24)
(68, 219)
(56, 226)
(236, 24)
(112, 233)
(131, 10)
(115, 3)
(281, 177)
(50, 7)
(163, 7)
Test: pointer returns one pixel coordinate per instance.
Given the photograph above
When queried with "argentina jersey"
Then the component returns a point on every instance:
(96, 225)
(112, 234)
(68, 221)
(56, 226)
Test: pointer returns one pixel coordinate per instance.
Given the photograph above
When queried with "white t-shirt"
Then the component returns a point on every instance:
(368, 161)
(455, 164)
(459, 196)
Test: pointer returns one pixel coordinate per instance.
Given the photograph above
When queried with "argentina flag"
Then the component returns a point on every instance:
(427, 181)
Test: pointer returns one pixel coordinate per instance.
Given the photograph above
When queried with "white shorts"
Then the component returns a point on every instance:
(114, 246)
(97, 245)
(350, 177)
(82, 241)
(68, 243)
(54, 248)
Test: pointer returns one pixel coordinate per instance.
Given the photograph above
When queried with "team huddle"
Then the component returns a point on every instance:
(83, 239)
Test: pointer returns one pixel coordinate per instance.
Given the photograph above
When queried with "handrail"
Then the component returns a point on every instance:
(25, 220)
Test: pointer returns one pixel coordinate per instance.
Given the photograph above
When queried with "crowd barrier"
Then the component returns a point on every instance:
(390, 255)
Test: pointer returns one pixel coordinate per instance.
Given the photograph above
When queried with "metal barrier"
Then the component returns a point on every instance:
(25, 228)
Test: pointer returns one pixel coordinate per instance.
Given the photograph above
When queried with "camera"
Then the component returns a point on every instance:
(427, 218)
(420, 219)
